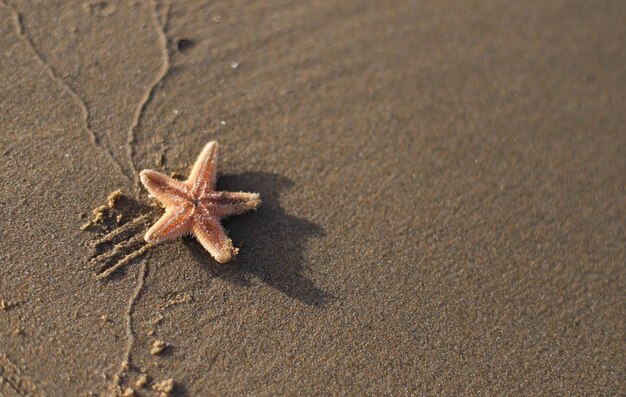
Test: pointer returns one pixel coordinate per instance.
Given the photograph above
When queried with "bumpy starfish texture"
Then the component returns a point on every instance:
(194, 207)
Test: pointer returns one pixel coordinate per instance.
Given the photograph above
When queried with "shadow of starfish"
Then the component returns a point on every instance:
(272, 242)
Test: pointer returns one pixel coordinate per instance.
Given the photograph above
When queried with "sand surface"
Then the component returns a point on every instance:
(443, 188)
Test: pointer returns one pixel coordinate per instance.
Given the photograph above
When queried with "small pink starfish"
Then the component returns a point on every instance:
(194, 207)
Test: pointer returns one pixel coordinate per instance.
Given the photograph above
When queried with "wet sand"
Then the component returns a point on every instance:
(442, 183)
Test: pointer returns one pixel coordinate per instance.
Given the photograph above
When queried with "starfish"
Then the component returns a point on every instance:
(194, 207)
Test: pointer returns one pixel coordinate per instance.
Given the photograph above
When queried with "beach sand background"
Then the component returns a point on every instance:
(442, 182)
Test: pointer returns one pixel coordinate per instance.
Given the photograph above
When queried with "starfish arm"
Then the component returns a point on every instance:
(174, 223)
(210, 233)
(225, 204)
(204, 173)
(167, 190)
